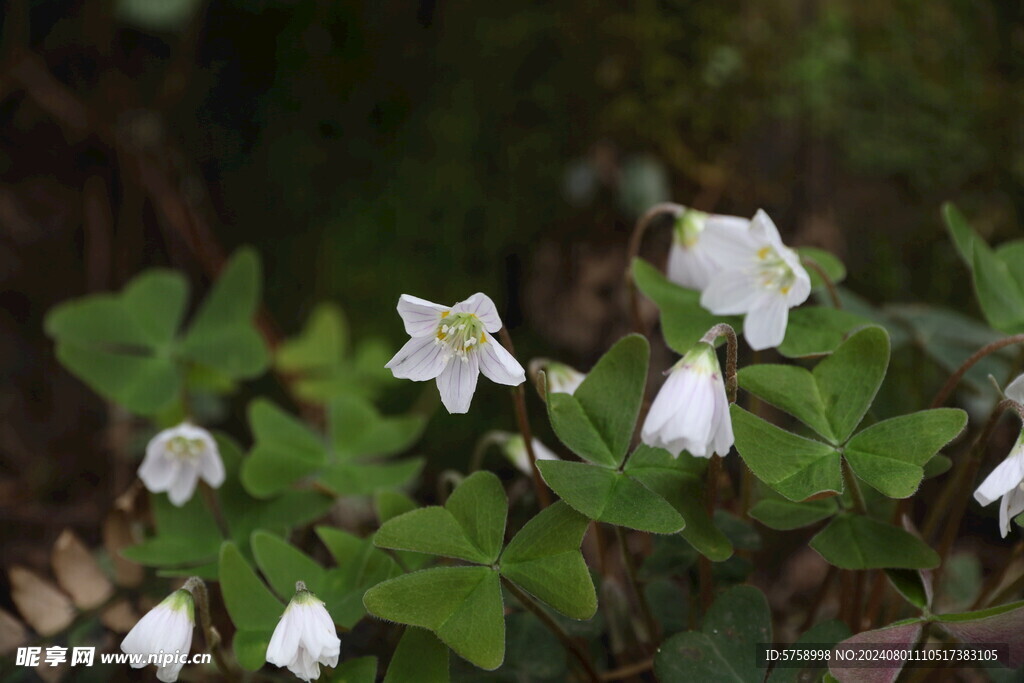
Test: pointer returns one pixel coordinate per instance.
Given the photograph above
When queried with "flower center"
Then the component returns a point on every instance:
(772, 270)
(460, 333)
(185, 448)
(689, 226)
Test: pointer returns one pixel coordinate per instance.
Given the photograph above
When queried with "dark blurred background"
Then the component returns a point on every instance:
(442, 147)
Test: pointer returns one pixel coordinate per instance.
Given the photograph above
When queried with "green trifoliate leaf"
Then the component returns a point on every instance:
(544, 558)
(998, 280)
(420, 656)
(680, 481)
(610, 496)
(725, 648)
(320, 345)
(222, 335)
(796, 467)
(910, 583)
(1002, 624)
(776, 512)
(683, 320)
(285, 450)
(856, 542)
(471, 525)
(597, 421)
(359, 431)
(358, 670)
(849, 379)
(817, 330)
(121, 344)
(461, 605)
(900, 638)
(792, 389)
(252, 607)
(890, 456)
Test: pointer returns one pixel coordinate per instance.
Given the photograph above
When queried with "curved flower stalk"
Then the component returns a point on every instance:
(165, 632)
(760, 277)
(1006, 481)
(559, 377)
(701, 245)
(514, 449)
(305, 637)
(177, 458)
(691, 411)
(454, 345)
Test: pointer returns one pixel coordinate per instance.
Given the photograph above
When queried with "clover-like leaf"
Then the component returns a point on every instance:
(420, 656)
(1002, 624)
(680, 482)
(725, 648)
(610, 496)
(777, 512)
(596, 422)
(461, 605)
(890, 455)
(796, 467)
(544, 558)
(858, 542)
(470, 526)
(252, 607)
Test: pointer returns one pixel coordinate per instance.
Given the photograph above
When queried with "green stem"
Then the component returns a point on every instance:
(567, 642)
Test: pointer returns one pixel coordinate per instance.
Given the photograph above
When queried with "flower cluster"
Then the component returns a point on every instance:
(742, 268)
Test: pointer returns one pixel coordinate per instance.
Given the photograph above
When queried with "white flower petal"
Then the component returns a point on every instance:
(498, 365)
(1015, 390)
(421, 317)
(184, 485)
(728, 242)
(211, 468)
(1007, 475)
(690, 267)
(692, 423)
(762, 227)
(765, 324)
(731, 292)
(421, 358)
(482, 307)
(284, 642)
(1011, 506)
(663, 407)
(457, 382)
(158, 471)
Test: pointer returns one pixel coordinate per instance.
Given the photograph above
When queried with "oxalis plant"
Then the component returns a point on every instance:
(628, 548)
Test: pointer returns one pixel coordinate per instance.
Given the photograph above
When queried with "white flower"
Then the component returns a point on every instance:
(305, 637)
(701, 245)
(514, 449)
(1006, 481)
(175, 460)
(454, 345)
(762, 278)
(164, 630)
(1015, 390)
(563, 379)
(691, 411)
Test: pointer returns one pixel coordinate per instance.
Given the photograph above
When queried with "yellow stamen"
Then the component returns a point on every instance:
(763, 252)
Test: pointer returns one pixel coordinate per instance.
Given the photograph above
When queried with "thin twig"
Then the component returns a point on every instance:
(833, 292)
(954, 379)
(997, 578)
(634, 250)
(197, 588)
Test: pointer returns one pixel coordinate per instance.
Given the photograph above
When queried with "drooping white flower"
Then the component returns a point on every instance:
(563, 379)
(691, 411)
(514, 449)
(454, 345)
(164, 631)
(305, 637)
(177, 458)
(701, 243)
(1007, 482)
(759, 277)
